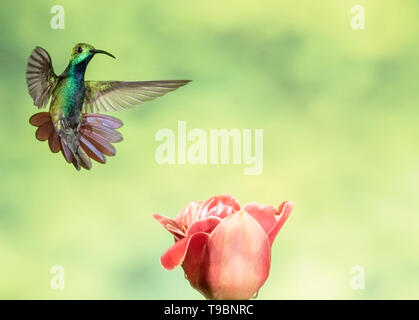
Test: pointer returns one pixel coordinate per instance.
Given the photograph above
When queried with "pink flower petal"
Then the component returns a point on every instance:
(239, 259)
(189, 214)
(220, 206)
(263, 214)
(284, 211)
(176, 253)
(195, 263)
(170, 225)
(204, 225)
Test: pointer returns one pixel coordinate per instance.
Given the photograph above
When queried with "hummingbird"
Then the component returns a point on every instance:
(74, 124)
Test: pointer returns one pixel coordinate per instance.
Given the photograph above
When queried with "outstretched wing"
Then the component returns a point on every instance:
(105, 96)
(40, 77)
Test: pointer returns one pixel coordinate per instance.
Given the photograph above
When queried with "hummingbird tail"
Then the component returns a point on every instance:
(91, 141)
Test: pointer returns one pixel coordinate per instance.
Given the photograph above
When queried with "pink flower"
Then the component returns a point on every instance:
(225, 250)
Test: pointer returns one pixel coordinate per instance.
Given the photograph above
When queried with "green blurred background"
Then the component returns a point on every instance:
(339, 109)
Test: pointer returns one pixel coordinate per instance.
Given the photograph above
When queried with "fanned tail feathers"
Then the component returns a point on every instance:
(92, 141)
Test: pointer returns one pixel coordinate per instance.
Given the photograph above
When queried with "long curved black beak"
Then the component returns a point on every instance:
(94, 51)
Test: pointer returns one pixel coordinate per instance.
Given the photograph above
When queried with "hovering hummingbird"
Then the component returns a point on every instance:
(73, 123)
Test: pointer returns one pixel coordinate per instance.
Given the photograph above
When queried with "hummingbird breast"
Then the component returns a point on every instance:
(67, 102)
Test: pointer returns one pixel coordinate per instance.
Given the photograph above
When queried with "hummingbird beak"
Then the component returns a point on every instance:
(94, 51)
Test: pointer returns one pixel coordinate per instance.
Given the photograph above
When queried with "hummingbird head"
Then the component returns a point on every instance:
(82, 53)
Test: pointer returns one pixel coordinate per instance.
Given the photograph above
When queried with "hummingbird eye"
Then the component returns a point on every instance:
(79, 49)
